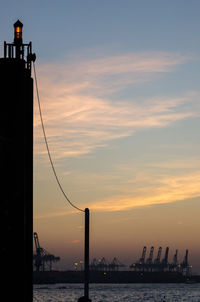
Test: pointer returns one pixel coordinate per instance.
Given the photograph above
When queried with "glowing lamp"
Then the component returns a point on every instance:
(18, 32)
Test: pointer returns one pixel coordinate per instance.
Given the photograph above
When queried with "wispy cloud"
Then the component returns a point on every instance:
(160, 191)
(53, 214)
(75, 241)
(153, 184)
(143, 62)
(77, 101)
(99, 76)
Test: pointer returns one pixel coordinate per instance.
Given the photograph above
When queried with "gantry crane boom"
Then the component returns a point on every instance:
(165, 259)
(42, 256)
(149, 260)
(175, 258)
(39, 251)
(157, 260)
(142, 259)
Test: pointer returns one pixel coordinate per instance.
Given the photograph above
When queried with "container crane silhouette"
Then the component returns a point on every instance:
(165, 259)
(42, 257)
(103, 265)
(140, 264)
(157, 260)
(115, 265)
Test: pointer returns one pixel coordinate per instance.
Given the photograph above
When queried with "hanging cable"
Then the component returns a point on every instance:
(47, 145)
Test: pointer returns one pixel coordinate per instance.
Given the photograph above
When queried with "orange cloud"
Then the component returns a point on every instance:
(165, 190)
(146, 189)
(80, 115)
(75, 241)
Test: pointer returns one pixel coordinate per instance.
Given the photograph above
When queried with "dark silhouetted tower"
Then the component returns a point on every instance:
(16, 168)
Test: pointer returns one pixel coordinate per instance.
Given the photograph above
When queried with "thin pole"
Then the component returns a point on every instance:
(86, 285)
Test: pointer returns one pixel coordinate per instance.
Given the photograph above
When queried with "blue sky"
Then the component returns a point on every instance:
(119, 87)
(133, 25)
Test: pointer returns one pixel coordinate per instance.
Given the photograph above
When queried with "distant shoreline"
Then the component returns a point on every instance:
(52, 277)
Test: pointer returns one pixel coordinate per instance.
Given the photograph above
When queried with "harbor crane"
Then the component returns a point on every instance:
(42, 257)
(103, 265)
(185, 267)
(184, 264)
(165, 259)
(157, 260)
(115, 265)
(175, 258)
(141, 262)
(150, 259)
(158, 265)
(142, 259)
(174, 265)
(99, 265)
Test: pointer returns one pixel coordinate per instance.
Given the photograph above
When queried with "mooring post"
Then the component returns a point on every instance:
(85, 298)
(87, 239)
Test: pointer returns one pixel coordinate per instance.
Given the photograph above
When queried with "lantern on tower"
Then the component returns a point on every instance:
(18, 32)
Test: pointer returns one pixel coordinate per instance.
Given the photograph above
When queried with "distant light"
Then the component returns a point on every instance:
(18, 32)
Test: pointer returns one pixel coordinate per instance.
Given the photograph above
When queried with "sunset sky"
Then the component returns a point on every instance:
(120, 96)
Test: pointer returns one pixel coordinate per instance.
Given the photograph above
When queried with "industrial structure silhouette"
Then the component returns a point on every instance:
(16, 162)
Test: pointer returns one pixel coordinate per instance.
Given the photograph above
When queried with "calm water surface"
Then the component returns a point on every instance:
(119, 292)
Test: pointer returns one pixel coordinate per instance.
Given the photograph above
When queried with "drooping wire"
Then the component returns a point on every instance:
(47, 145)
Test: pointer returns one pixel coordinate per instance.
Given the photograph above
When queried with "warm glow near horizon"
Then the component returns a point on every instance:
(91, 135)
(119, 91)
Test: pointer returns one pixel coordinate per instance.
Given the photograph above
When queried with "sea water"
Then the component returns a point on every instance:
(119, 292)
